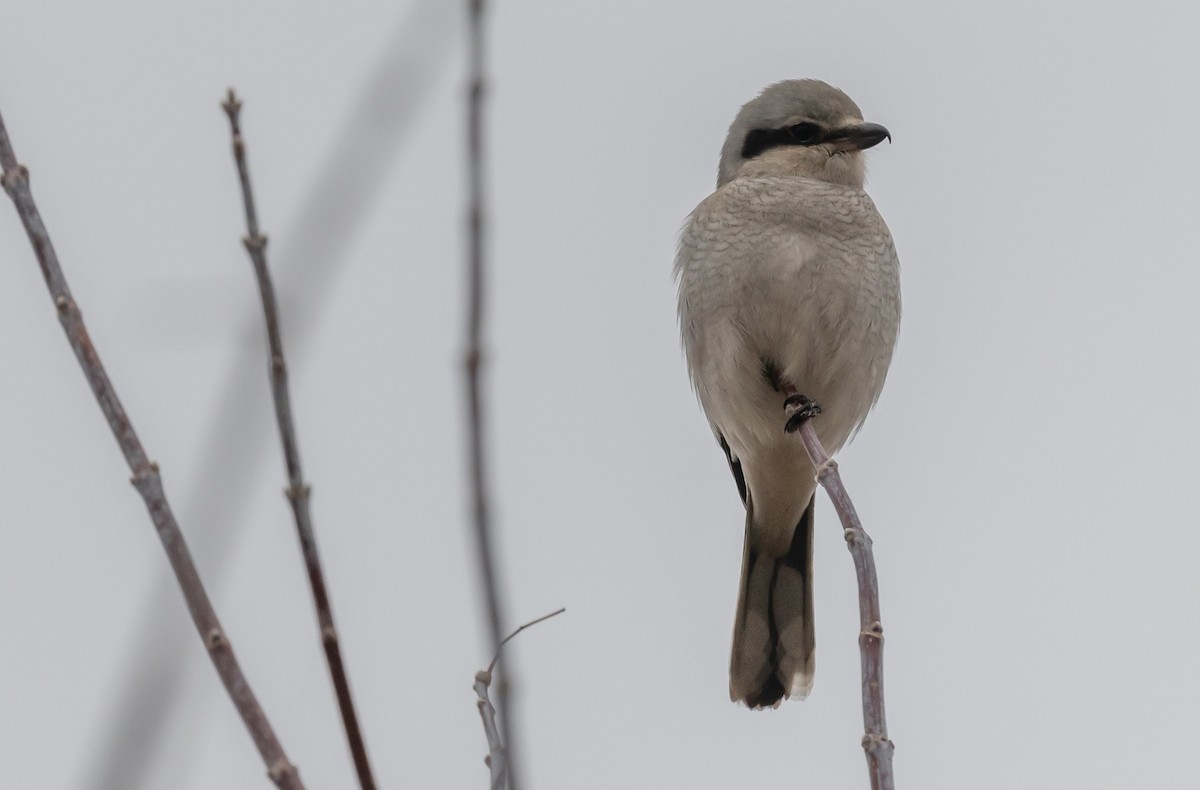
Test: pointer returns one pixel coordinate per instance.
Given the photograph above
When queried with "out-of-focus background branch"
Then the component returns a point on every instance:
(1050, 265)
(505, 767)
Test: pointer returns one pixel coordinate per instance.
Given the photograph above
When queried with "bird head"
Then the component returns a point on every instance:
(800, 127)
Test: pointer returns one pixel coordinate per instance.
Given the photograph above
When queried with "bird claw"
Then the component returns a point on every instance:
(799, 409)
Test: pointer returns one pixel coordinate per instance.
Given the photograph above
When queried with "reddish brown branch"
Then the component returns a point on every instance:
(298, 492)
(875, 742)
(146, 478)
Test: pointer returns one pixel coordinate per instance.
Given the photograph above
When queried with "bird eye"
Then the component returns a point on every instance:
(804, 133)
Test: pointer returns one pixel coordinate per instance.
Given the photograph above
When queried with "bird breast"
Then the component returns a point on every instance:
(796, 271)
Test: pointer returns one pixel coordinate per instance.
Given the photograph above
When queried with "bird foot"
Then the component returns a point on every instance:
(799, 409)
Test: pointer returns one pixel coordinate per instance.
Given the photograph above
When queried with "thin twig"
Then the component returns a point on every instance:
(146, 478)
(509, 638)
(346, 182)
(870, 638)
(474, 362)
(496, 760)
(298, 492)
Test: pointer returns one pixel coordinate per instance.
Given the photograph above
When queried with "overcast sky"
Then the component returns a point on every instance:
(1028, 476)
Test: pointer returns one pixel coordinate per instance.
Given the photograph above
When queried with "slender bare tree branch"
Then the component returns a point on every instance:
(380, 120)
(875, 742)
(298, 492)
(496, 760)
(476, 227)
(146, 478)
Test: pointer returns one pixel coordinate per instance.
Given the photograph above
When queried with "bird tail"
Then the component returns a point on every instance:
(773, 638)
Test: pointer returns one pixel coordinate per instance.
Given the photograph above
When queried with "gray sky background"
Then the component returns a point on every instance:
(1028, 476)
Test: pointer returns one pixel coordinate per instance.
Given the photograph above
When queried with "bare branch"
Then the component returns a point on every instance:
(379, 122)
(497, 760)
(474, 362)
(298, 492)
(146, 478)
(509, 638)
(875, 742)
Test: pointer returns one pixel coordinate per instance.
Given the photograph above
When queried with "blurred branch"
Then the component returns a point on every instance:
(298, 492)
(474, 362)
(495, 760)
(379, 121)
(146, 478)
(870, 639)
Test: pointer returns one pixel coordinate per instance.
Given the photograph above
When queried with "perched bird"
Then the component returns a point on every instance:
(789, 306)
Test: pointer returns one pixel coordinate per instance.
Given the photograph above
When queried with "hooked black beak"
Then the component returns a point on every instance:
(858, 138)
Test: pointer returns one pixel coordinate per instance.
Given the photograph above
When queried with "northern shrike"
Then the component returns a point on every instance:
(789, 305)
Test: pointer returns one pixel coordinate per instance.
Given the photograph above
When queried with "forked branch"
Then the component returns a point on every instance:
(497, 759)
